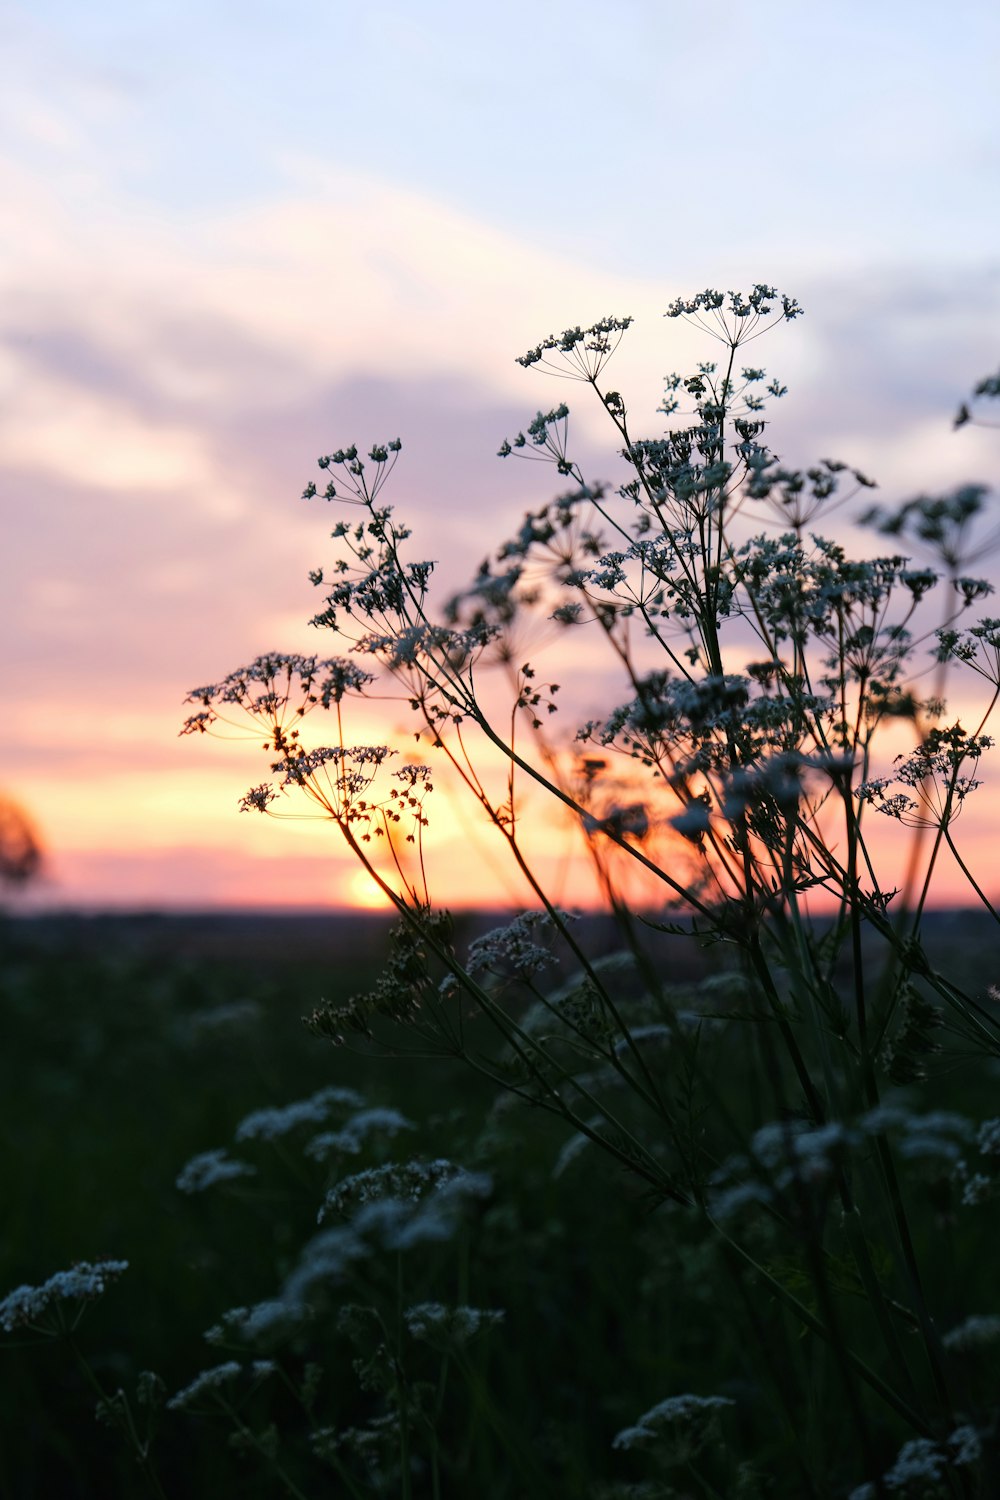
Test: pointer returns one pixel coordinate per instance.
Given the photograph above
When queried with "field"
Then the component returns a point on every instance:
(133, 1045)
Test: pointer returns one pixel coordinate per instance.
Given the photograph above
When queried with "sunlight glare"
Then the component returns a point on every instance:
(361, 892)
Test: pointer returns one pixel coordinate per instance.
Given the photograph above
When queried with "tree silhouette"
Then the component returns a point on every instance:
(20, 850)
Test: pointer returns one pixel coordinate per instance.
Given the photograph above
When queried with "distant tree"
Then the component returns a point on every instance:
(20, 850)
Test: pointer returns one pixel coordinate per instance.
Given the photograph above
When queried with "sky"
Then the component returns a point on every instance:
(236, 236)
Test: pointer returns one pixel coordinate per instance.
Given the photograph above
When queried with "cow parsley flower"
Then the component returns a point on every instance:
(259, 1321)
(678, 1427)
(356, 1131)
(512, 949)
(269, 1124)
(446, 1327)
(84, 1282)
(405, 1181)
(396, 1224)
(919, 1461)
(966, 1445)
(208, 1381)
(327, 1258)
(975, 1333)
(211, 1167)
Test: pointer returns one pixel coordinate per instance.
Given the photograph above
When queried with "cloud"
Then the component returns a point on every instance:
(167, 385)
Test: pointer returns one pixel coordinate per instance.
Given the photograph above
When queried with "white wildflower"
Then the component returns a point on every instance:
(210, 1167)
(978, 1330)
(444, 1327)
(270, 1123)
(935, 1136)
(207, 1381)
(260, 1320)
(783, 1153)
(403, 1180)
(350, 1140)
(919, 1461)
(326, 1258)
(966, 1445)
(398, 1224)
(679, 1427)
(976, 1188)
(512, 949)
(82, 1283)
(921, 1465)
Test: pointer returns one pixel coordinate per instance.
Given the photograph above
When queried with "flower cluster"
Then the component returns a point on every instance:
(921, 1466)
(209, 1168)
(512, 950)
(934, 771)
(276, 688)
(449, 1327)
(678, 1428)
(212, 1381)
(269, 1124)
(584, 351)
(26, 1306)
(405, 1181)
(356, 1131)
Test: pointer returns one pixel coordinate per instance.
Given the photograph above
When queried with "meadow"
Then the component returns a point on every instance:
(696, 1197)
(133, 1045)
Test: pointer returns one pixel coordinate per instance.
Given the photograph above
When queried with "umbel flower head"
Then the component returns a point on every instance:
(27, 1306)
(677, 1428)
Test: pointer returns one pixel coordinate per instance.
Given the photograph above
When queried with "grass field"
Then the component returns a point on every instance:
(130, 1046)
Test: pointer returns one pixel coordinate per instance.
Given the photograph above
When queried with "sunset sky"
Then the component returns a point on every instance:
(237, 236)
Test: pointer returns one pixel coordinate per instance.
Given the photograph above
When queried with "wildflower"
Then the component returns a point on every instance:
(976, 1187)
(407, 1181)
(583, 351)
(84, 1282)
(398, 1224)
(350, 1140)
(921, 1465)
(976, 1332)
(511, 948)
(205, 1383)
(932, 771)
(679, 1427)
(211, 1167)
(327, 1257)
(259, 1321)
(966, 1445)
(272, 684)
(271, 1123)
(919, 1461)
(782, 1153)
(445, 1327)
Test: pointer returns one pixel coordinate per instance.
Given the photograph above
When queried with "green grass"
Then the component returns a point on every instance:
(111, 1081)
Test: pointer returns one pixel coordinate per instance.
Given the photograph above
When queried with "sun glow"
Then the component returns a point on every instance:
(361, 893)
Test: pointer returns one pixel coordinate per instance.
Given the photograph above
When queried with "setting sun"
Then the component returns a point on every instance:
(362, 893)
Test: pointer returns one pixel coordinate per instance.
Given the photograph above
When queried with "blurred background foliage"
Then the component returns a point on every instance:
(132, 1044)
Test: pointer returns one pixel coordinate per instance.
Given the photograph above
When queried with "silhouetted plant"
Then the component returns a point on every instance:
(747, 797)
